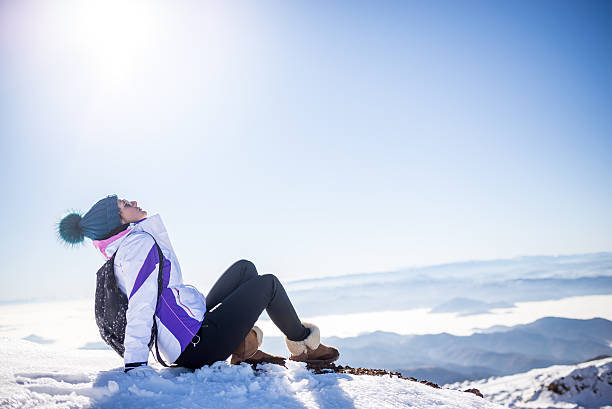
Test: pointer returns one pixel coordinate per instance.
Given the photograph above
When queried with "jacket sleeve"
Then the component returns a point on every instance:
(138, 268)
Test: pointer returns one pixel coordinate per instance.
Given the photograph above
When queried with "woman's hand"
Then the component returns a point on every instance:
(139, 369)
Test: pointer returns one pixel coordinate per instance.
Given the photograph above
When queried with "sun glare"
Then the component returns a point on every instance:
(115, 35)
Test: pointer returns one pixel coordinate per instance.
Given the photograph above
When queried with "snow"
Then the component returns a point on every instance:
(586, 385)
(46, 376)
(53, 357)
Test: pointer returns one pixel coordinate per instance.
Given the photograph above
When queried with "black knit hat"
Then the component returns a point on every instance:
(98, 222)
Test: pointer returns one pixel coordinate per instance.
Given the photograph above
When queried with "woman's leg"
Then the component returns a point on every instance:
(251, 298)
(226, 326)
(237, 274)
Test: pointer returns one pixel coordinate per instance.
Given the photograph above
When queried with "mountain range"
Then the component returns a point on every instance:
(482, 284)
(445, 358)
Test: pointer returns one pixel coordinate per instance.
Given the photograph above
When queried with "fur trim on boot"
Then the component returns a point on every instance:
(259, 334)
(312, 341)
(311, 350)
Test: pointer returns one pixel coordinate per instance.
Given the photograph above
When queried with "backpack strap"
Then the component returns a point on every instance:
(160, 286)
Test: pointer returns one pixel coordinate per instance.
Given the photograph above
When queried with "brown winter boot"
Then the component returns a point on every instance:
(248, 350)
(310, 350)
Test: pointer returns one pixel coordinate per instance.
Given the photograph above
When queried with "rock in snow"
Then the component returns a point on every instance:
(35, 375)
(586, 385)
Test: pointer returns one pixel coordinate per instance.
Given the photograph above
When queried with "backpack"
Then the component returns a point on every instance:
(111, 307)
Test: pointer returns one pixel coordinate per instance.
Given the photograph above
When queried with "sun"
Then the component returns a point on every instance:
(115, 35)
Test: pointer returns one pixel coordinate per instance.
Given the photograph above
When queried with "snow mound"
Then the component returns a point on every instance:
(586, 385)
(45, 376)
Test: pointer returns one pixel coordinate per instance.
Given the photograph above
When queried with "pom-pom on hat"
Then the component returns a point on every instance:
(69, 229)
(98, 222)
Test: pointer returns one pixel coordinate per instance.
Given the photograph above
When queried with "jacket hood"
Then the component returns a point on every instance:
(152, 225)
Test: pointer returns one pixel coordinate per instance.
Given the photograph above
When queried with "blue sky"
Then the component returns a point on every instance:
(312, 138)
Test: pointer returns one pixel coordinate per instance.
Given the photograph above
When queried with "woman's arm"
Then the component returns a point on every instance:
(136, 267)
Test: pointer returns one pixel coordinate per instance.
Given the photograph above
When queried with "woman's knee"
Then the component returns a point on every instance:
(270, 279)
(247, 266)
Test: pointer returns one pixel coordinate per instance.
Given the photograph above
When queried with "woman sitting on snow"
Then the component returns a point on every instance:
(192, 330)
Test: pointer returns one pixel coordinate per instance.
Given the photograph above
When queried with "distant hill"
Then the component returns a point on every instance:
(445, 358)
(529, 267)
(466, 288)
(584, 385)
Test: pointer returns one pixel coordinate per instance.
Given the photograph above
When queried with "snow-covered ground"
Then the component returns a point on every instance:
(53, 357)
(586, 385)
(47, 376)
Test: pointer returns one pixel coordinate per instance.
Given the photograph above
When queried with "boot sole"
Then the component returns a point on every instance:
(317, 362)
(250, 362)
(280, 362)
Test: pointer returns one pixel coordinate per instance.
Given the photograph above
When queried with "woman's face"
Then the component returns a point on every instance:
(129, 212)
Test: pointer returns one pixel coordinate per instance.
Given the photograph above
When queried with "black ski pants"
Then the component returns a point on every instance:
(233, 305)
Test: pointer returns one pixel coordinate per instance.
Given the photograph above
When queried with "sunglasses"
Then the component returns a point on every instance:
(126, 203)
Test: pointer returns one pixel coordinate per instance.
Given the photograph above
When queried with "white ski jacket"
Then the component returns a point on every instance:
(181, 307)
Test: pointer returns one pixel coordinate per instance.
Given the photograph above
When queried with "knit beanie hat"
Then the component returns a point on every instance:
(98, 222)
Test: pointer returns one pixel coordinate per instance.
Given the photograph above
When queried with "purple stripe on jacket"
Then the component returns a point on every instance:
(176, 319)
(147, 268)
